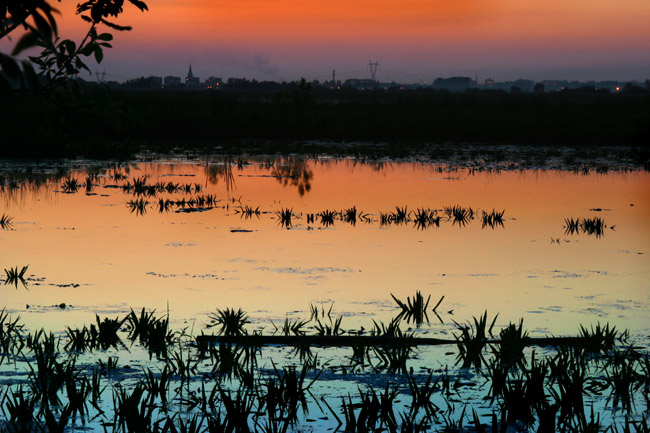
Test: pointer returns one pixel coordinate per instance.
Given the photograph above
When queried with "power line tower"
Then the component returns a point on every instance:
(100, 76)
(373, 69)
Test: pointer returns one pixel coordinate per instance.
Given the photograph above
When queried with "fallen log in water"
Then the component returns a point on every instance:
(361, 340)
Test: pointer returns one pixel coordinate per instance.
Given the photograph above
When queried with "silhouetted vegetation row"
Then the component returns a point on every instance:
(101, 123)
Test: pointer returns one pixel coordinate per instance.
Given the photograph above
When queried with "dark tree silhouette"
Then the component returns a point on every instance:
(60, 59)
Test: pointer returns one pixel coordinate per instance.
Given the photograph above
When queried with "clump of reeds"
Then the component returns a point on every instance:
(600, 339)
(590, 226)
(151, 331)
(327, 218)
(248, 211)
(70, 185)
(593, 226)
(284, 217)
(350, 215)
(492, 219)
(458, 214)
(6, 222)
(231, 322)
(165, 205)
(571, 226)
(414, 309)
(425, 218)
(400, 215)
(14, 276)
(472, 341)
(139, 206)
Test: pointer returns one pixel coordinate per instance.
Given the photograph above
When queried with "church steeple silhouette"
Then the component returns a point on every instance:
(189, 73)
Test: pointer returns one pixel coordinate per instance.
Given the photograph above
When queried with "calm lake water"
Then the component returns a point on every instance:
(100, 254)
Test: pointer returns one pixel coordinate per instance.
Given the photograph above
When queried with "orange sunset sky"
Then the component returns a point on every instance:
(413, 40)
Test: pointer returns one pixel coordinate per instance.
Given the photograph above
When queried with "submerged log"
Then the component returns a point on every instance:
(361, 340)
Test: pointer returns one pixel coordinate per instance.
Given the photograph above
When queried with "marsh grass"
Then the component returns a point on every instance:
(139, 206)
(229, 321)
(11, 336)
(414, 309)
(70, 185)
(401, 215)
(291, 327)
(14, 276)
(593, 226)
(6, 222)
(151, 331)
(493, 219)
(247, 212)
(600, 339)
(590, 226)
(327, 218)
(459, 215)
(425, 218)
(285, 216)
(228, 391)
(472, 340)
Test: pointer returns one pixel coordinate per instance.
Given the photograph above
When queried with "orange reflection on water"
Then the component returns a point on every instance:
(95, 255)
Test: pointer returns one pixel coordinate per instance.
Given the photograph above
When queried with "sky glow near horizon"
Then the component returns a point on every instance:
(413, 40)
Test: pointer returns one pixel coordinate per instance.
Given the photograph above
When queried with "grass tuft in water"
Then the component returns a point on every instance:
(284, 217)
(492, 219)
(472, 340)
(70, 185)
(6, 222)
(14, 276)
(231, 322)
(414, 309)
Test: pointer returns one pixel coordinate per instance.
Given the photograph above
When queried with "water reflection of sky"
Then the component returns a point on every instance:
(96, 256)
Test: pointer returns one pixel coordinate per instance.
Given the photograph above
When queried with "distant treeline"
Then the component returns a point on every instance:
(115, 123)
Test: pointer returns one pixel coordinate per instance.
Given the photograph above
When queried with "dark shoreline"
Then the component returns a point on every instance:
(119, 124)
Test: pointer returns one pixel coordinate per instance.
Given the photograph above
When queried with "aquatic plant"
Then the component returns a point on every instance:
(350, 215)
(70, 185)
(400, 215)
(509, 350)
(425, 218)
(231, 322)
(600, 339)
(139, 206)
(11, 335)
(6, 222)
(492, 219)
(458, 214)
(571, 226)
(138, 186)
(327, 218)
(151, 331)
(414, 309)
(472, 340)
(289, 327)
(284, 217)
(14, 276)
(421, 396)
(331, 328)
(247, 211)
(385, 219)
(165, 205)
(593, 226)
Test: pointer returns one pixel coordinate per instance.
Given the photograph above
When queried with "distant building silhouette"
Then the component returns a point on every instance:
(489, 82)
(191, 80)
(213, 83)
(171, 81)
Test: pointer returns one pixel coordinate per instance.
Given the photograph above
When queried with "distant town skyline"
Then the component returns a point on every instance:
(413, 40)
